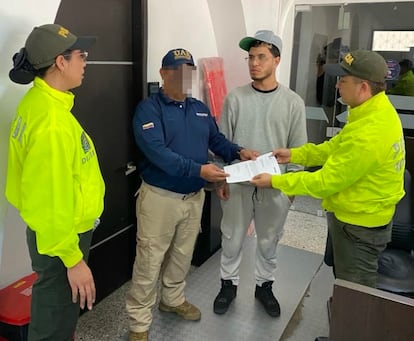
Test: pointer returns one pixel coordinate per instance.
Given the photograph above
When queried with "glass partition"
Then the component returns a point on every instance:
(324, 33)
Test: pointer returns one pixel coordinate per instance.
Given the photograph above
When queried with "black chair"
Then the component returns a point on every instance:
(396, 262)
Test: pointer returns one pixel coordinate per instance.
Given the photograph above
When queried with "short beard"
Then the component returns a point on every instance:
(258, 78)
(261, 78)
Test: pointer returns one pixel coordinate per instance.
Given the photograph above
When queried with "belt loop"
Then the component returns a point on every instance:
(189, 195)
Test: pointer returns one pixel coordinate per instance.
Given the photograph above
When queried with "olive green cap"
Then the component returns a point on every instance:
(46, 42)
(364, 64)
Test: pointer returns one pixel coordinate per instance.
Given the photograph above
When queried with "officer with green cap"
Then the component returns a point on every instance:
(362, 168)
(54, 179)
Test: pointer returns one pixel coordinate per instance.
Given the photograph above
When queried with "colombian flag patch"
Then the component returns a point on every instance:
(148, 125)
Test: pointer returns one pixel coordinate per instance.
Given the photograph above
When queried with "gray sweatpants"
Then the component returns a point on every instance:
(268, 208)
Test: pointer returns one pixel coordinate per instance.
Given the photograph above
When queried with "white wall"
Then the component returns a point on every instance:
(178, 23)
(227, 38)
(16, 22)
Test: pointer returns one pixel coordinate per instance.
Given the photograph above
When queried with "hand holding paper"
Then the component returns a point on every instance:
(263, 180)
(246, 170)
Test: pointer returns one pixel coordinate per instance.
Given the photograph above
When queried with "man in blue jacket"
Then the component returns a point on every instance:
(174, 131)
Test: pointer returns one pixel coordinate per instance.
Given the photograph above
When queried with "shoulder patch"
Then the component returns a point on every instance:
(85, 143)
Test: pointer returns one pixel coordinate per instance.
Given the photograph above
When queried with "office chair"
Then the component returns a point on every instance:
(396, 262)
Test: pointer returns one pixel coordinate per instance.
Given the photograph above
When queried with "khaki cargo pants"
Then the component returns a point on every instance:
(168, 226)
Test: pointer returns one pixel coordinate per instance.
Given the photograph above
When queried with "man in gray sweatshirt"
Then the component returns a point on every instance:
(262, 114)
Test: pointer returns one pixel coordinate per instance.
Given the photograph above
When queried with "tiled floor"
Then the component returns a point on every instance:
(305, 229)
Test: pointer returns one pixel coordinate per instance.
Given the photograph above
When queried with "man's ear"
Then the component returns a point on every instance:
(366, 86)
(162, 73)
(60, 62)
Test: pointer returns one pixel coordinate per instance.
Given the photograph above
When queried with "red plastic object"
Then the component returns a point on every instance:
(215, 84)
(15, 301)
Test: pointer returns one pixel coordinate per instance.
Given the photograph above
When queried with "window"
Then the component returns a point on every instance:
(392, 40)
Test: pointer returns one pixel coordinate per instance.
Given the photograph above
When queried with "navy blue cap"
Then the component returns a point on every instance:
(177, 57)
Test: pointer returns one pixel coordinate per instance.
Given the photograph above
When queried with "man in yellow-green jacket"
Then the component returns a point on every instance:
(405, 84)
(361, 179)
(54, 180)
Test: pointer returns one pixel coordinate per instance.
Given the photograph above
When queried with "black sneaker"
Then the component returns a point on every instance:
(226, 295)
(265, 295)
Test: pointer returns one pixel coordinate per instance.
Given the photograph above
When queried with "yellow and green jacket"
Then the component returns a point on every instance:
(362, 173)
(404, 86)
(53, 175)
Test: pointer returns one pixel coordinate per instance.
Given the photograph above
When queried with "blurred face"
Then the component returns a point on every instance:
(74, 67)
(179, 78)
(403, 69)
(262, 64)
(350, 88)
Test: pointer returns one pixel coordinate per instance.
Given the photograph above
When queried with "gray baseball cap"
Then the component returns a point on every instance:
(262, 35)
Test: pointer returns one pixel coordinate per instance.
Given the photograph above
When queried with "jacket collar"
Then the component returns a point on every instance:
(65, 98)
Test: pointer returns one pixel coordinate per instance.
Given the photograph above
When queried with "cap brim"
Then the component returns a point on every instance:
(83, 43)
(184, 61)
(245, 43)
(335, 70)
(189, 63)
(178, 63)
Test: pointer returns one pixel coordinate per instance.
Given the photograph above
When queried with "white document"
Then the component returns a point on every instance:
(246, 170)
